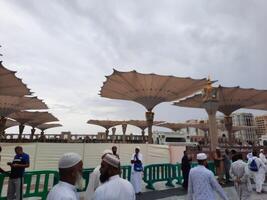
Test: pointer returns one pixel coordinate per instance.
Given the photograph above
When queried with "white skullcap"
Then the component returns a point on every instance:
(218, 148)
(107, 151)
(249, 155)
(138, 147)
(261, 150)
(69, 160)
(112, 160)
(201, 156)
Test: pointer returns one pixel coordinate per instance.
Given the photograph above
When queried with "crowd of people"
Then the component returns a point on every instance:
(230, 167)
(105, 182)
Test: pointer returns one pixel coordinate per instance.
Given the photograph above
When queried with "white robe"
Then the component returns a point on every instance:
(63, 191)
(115, 188)
(259, 176)
(239, 169)
(263, 158)
(202, 185)
(136, 177)
(94, 182)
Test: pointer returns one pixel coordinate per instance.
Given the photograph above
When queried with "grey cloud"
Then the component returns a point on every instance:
(63, 50)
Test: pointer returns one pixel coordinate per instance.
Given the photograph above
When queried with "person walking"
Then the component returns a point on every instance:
(202, 183)
(257, 169)
(137, 170)
(227, 165)
(186, 166)
(15, 182)
(218, 163)
(241, 177)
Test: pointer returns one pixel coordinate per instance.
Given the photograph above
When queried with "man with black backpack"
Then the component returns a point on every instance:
(137, 169)
(257, 168)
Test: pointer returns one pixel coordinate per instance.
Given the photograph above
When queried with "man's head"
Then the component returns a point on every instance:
(239, 156)
(255, 153)
(185, 153)
(110, 166)
(18, 150)
(114, 150)
(70, 168)
(107, 151)
(233, 151)
(202, 159)
(261, 151)
(227, 151)
(137, 149)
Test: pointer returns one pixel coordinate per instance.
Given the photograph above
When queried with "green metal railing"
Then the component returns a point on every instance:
(38, 183)
(126, 172)
(157, 173)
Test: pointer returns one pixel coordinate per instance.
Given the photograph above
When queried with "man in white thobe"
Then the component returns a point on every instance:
(263, 157)
(136, 176)
(94, 181)
(70, 174)
(259, 175)
(240, 174)
(202, 183)
(113, 187)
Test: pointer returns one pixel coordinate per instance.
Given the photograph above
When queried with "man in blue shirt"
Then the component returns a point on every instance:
(18, 165)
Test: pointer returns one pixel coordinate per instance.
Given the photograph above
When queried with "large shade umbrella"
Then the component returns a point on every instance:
(173, 126)
(8, 123)
(142, 124)
(10, 85)
(42, 118)
(229, 100)
(107, 124)
(149, 90)
(44, 127)
(11, 104)
(23, 117)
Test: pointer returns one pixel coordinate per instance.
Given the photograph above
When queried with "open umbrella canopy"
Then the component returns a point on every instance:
(11, 104)
(230, 99)
(43, 127)
(25, 116)
(149, 89)
(173, 126)
(205, 127)
(11, 123)
(142, 124)
(10, 85)
(105, 123)
(42, 118)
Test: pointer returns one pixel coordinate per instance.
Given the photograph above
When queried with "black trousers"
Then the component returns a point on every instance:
(185, 177)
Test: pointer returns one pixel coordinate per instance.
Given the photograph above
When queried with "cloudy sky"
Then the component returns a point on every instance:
(64, 49)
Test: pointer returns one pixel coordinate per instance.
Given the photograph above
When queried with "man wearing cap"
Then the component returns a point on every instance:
(70, 174)
(202, 183)
(137, 170)
(113, 187)
(94, 181)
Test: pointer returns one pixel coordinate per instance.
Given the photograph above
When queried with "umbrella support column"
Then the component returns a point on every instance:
(150, 119)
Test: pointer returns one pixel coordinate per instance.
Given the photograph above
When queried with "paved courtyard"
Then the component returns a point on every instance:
(179, 194)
